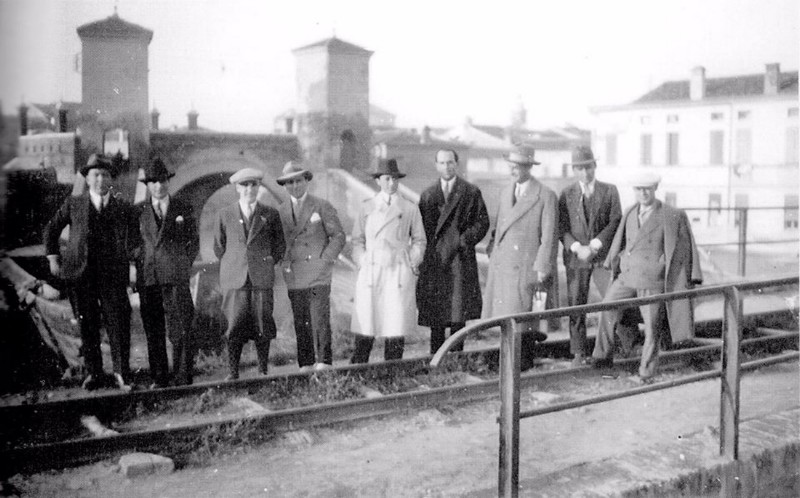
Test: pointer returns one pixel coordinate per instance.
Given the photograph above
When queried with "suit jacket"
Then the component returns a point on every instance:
(75, 213)
(448, 289)
(604, 216)
(167, 252)
(314, 239)
(524, 242)
(681, 261)
(247, 255)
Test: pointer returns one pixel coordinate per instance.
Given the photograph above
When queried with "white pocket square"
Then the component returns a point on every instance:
(314, 217)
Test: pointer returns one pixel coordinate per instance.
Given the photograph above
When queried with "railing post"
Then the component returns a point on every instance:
(729, 385)
(742, 240)
(510, 345)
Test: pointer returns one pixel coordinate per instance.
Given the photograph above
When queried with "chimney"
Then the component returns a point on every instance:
(154, 114)
(62, 118)
(772, 79)
(697, 85)
(23, 119)
(425, 138)
(192, 119)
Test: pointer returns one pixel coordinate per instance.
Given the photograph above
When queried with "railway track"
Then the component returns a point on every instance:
(49, 435)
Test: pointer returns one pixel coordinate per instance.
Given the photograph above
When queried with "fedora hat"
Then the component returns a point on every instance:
(521, 155)
(99, 161)
(387, 167)
(247, 175)
(156, 171)
(292, 170)
(645, 179)
(582, 156)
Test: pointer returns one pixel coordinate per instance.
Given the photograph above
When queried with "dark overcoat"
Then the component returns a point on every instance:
(604, 215)
(167, 251)
(448, 290)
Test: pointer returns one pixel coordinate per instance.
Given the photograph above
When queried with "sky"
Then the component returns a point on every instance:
(434, 63)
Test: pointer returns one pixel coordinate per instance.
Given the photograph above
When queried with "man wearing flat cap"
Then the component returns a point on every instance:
(588, 215)
(388, 244)
(653, 252)
(314, 238)
(170, 243)
(248, 240)
(522, 247)
(96, 264)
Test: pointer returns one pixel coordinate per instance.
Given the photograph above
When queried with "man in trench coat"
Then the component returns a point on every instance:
(653, 252)
(455, 220)
(523, 247)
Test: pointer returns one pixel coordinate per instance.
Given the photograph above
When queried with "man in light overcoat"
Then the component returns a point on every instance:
(523, 247)
(248, 240)
(314, 238)
(653, 252)
(455, 220)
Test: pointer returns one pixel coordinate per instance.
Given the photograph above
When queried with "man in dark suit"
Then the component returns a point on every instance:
(96, 264)
(314, 238)
(248, 240)
(170, 243)
(653, 252)
(455, 220)
(588, 214)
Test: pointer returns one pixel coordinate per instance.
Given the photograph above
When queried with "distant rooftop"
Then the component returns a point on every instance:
(114, 27)
(334, 44)
(733, 86)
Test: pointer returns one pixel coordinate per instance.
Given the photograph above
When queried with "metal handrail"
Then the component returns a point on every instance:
(510, 346)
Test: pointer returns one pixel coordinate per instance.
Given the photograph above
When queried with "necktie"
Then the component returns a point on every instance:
(295, 208)
(446, 191)
(642, 217)
(159, 211)
(389, 201)
(516, 195)
(585, 205)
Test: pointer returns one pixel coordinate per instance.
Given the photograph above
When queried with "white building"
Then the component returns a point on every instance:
(716, 142)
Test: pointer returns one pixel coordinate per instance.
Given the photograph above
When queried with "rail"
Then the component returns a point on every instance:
(510, 341)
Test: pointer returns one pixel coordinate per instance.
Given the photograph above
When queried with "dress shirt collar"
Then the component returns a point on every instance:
(521, 188)
(587, 189)
(163, 202)
(450, 184)
(245, 206)
(297, 202)
(99, 201)
(386, 198)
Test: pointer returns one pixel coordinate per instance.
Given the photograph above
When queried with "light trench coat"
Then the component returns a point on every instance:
(388, 245)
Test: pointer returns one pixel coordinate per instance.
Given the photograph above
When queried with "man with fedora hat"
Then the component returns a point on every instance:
(388, 245)
(248, 240)
(522, 248)
(96, 264)
(455, 220)
(314, 238)
(653, 252)
(588, 214)
(170, 243)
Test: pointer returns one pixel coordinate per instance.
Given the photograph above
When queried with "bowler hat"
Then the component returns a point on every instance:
(99, 161)
(645, 179)
(388, 167)
(521, 155)
(156, 171)
(247, 175)
(292, 170)
(582, 156)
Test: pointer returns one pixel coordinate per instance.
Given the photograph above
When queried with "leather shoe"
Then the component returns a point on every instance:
(601, 363)
(90, 383)
(231, 377)
(578, 360)
(642, 381)
(119, 382)
(307, 368)
(322, 366)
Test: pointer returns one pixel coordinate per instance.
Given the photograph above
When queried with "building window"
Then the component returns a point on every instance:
(611, 149)
(672, 118)
(645, 120)
(743, 115)
(672, 149)
(717, 116)
(744, 146)
(717, 138)
(792, 145)
(792, 112)
(670, 198)
(790, 214)
(646, 149)
(741, 203)
(714, 209)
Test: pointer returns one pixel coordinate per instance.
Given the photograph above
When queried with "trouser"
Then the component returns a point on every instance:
(578, 280)
(168, 309)
(249, 314)
(311, 309)
(438, 337)
(99, 300)
(392, 348)
(654, 316)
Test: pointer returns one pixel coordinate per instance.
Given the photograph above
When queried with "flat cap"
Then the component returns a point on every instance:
(645, 179)
(247, 174)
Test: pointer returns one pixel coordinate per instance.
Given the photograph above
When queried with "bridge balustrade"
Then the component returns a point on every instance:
(511, 327)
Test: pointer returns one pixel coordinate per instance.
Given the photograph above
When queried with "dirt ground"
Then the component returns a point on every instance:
(450, 451)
